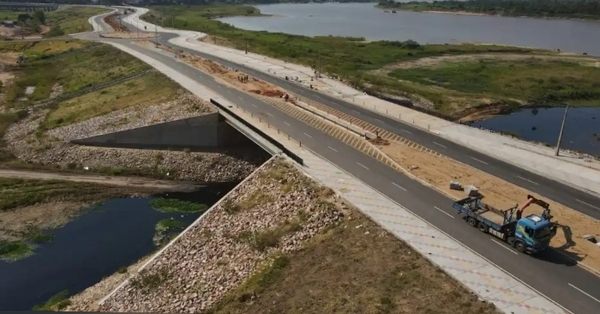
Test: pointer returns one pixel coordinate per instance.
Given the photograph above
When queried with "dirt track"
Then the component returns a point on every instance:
(137, 182)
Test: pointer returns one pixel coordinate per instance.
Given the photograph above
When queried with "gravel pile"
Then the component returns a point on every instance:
(53, 147)
(214, 257)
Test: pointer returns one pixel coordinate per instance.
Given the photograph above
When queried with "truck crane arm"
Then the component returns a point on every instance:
(532, 200)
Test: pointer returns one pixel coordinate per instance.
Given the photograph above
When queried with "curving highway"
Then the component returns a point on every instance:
(575, 289)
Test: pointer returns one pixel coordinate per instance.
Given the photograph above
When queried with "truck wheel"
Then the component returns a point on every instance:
(510, 241)
(520, 246)
(483, 228)
(472, 222)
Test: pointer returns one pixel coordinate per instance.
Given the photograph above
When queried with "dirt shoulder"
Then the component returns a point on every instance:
(439, 171)
(281, 242)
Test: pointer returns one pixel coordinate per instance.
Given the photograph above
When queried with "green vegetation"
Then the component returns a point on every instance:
(376, 67)
(152, 88)
(166, 224)
(264, 239)
(534, 80)
(16, 193)
(56, 303)
(75, 66)
(15, 250)
(146, 281)
(580, 9)
(71, 20)
(171, 205)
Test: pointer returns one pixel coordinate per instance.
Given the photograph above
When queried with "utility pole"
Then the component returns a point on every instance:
(562, 129)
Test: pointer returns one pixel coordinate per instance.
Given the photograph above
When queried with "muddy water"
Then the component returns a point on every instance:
(92, 246)
(543, 125)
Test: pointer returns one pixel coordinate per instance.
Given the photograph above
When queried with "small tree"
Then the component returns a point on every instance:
(40, 16)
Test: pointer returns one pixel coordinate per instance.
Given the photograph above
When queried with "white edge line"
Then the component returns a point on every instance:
(333, 149)
(193, 224)
(438, 144)
(270, 114)
(286, 123)
(443, 212)
(400, 187)
(360, 165)
(590, 205)
(586, 294)
(528, 180)
(308, 135)
(407, 131)
(479, 160)
(503, 246)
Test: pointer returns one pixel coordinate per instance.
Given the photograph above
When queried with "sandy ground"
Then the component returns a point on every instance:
(137, 182)
(440, 171)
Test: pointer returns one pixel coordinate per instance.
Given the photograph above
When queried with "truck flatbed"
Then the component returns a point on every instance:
(492, 216)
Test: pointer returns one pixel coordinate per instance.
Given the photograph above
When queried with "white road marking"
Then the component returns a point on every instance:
(479, 160)
(438, 144)
(240, 98)
(443, 212)
(229, 91)
(362, 165)
(407, 131)
(308, 135)
(504, 246)
(269, 114)
(286, 123)
(588, 204)
(356, 111)
(401, 188)
(333, 149)
(528, 180)
(255, 106)
(378, 120)
(587, 294)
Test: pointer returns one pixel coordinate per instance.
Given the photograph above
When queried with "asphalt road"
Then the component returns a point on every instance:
(551, 274)
(564, 194)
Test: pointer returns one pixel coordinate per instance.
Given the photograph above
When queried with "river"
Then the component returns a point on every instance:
(364, 20)
(92, 246)
(543, 125)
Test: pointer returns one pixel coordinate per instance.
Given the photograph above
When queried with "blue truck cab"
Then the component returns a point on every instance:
(530, 234)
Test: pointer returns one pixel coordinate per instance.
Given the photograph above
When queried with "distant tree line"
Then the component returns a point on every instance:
(537, 8)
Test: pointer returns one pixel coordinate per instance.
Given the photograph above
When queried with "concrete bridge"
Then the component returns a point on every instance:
(28, 6)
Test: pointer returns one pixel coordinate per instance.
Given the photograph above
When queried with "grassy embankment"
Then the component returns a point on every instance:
(75, 65)
(28, 208)
(576, 9)
(380, 67)
(355, 267)
(56, 23)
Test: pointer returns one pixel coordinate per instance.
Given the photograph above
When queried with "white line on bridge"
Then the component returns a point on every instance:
(443, 212)
(356, 111)
(438, 144)
(378, 120)
(479, 160)
(308, 135)
(333, 149)
(362, 165)
(255, 106)
(528, 180)
(398, 186)
(286, 123)
(587, 294)
(504, 246)
(270, 114)
(407, 131)
(588, 204)
(240, 98)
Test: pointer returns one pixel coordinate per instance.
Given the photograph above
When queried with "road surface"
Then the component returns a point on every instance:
(552, 275)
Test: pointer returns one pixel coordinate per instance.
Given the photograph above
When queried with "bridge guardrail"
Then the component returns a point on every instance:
(277, 144)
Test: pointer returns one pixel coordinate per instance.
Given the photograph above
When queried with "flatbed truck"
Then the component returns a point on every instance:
(530, 234)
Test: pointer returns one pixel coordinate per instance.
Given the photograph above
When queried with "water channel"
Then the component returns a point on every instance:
(94, 245)
(364, 20)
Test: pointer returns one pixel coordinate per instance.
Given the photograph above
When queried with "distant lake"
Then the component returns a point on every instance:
(543, 125)
(364, 20)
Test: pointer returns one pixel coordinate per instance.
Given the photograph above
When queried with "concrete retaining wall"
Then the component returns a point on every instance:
(206, 133)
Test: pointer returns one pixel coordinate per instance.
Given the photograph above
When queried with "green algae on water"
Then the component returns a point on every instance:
(57, 302)
(14, 251)
(171, 205)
